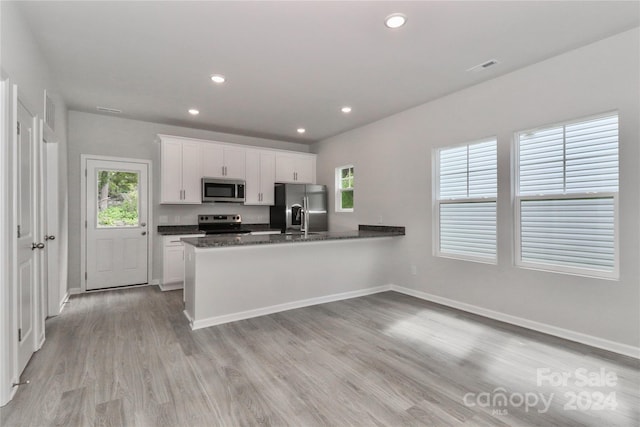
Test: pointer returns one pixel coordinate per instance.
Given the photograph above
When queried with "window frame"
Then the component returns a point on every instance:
(614, 274)
(437, 202)
(340, 190)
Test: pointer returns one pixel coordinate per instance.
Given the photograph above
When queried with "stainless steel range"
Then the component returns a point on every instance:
(220, 224)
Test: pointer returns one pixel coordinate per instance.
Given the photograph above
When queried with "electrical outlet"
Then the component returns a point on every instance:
(380, 219)
(414, 270)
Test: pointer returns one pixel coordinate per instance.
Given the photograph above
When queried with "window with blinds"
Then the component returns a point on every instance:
(465, 208)
(566, 197)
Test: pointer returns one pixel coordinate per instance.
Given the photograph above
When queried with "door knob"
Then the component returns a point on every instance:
(144, 233)
(143, 224)
(49, 237)
(37, 246)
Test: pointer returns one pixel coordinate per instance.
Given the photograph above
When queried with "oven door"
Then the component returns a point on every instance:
(214, 190)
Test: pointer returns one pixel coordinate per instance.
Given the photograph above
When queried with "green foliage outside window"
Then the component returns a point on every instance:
(117, 199)
(347, 199)
(346, 188)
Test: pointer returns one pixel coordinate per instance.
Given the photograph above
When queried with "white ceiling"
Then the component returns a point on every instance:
(294, 64)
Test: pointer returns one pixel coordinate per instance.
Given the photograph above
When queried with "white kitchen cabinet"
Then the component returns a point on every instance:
(296, 168)
(260, 177)
(173, 261)
(179, 171)
(222, 161)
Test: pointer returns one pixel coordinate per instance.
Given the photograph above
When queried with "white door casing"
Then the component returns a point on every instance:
(8, 344)
(55, 295)
(26, 271)
(115, 255)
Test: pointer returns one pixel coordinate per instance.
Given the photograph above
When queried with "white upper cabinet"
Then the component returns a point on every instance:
(296, 168)
(185, 161)
(222, 161)
(179, 171)
(260, 177)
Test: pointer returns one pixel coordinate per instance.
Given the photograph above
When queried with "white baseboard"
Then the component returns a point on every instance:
(155, 282)
(219, 320)
(170, 286)
(615, 347)
(63, 302)
(74, 291)
(10, 393)
(41, 340)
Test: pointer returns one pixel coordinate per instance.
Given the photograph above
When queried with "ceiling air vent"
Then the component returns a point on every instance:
(484, 65)
(108, 110)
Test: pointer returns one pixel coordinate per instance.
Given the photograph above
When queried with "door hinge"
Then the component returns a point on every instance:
(85, 173)
(18, 128)
(18, 232)
(19, 334)
(85, 275)
(85, 223)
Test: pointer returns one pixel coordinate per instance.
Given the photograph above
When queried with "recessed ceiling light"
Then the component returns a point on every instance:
(301, 130)
(218, 78)
(346, 109)
(194, 112)
(395, 20)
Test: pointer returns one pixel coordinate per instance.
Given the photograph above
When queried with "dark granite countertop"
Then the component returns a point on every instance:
(363, 232)
(172, 230)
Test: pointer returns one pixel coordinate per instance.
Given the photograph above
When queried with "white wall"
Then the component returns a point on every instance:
(118, 137)
(24, 64)
(393, 179)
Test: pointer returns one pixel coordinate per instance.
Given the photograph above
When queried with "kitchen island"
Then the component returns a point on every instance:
(234, 277)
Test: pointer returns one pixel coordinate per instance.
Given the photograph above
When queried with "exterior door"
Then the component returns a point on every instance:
(117, 242)
(27, 244)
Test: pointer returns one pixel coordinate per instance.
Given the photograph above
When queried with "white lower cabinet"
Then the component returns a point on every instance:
(173, 261)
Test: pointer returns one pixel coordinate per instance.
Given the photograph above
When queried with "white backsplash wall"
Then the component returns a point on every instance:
(188, 214)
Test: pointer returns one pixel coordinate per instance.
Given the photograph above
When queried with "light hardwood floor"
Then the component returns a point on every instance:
(128, 358)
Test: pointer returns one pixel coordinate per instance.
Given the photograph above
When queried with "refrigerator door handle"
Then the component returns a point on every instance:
(303, 225)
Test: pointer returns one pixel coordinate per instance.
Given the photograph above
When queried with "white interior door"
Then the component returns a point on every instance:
(117, 242)
(51, 280)
(27, 244)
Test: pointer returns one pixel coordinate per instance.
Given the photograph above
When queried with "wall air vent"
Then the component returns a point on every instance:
(487, 64)
(108, 110)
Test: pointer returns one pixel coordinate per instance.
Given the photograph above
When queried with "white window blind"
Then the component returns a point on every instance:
(466, 201)
(567, 196)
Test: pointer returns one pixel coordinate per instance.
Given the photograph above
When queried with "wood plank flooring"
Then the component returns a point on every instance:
(128, 358)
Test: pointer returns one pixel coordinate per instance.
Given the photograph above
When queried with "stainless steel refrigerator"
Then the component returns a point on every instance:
(298, 206)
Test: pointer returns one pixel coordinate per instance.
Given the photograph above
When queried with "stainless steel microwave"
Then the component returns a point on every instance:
(222, 190)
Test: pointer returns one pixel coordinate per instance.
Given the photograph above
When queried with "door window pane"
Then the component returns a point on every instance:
(117, 199)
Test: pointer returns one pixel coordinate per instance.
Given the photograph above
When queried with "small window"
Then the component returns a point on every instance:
(566, 197)
(344, 189)
(117, 201)
(465, 202)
